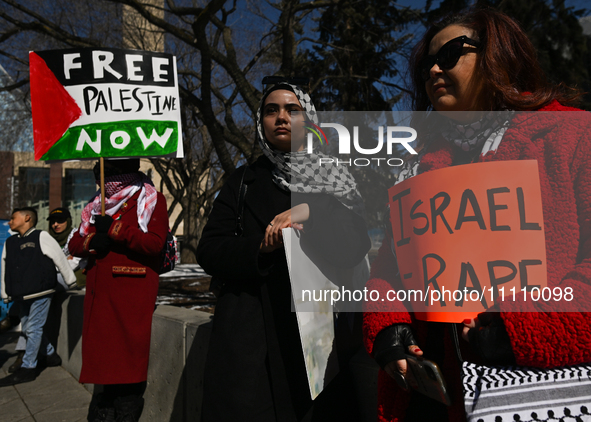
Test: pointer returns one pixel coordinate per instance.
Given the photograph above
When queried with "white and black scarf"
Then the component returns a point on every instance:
(485, 133)
(301, 172)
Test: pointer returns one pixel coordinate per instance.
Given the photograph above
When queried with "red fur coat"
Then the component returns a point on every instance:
(561, 143)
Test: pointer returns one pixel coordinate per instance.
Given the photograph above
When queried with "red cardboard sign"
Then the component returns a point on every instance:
(469, 234)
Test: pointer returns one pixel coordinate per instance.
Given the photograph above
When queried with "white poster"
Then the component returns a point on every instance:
(315, 317)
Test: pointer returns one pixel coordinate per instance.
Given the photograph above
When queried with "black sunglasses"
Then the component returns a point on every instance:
(447, 56)
(300, 81)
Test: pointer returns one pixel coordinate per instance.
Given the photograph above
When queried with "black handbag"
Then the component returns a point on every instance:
(217, 283)
(168, 254)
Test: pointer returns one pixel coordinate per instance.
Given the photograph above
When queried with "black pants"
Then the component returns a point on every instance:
(125, 400)
(112, 391)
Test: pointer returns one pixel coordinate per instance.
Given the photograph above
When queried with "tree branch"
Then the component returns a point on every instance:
(44, 26)
(184, 36)
(14, 85)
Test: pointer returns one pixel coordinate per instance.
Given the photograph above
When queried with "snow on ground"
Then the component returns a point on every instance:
(186, 286)
(184, 271)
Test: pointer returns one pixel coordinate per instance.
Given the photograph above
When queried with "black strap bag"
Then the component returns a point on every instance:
(216, 284)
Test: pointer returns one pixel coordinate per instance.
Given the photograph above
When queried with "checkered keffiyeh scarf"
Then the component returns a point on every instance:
(485, 133)
(119, 189)
(301, 172)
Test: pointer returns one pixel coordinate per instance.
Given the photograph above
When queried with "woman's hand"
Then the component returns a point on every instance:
(489, 339)
(469, 324)
(400, 366)
(391, 346)
(293, 217)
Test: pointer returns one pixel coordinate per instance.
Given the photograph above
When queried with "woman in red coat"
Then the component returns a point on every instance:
(479, 62)
(121, 287)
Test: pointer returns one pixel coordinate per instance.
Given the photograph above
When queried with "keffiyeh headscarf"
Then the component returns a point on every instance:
(300, 172)
(485, 134)
(119, 189)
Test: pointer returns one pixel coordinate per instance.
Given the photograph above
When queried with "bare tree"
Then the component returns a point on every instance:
(216, 70)
(222, 47)
(15, 115)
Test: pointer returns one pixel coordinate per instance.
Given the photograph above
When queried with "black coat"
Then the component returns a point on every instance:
(255, 366)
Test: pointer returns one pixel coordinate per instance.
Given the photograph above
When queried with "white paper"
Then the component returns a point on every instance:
(316, 326)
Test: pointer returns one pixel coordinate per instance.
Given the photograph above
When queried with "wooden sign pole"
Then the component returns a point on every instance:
(102, 161)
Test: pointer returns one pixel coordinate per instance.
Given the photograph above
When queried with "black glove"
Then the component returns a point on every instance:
(103, 223)
(392, 343)
(100, 242)
(490, 339)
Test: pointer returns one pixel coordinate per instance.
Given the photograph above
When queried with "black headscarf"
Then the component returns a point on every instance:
(62, 237)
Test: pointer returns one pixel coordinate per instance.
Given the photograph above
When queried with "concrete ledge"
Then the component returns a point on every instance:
(64, 328)
(180, 338)
(179, 343)
(177, 355)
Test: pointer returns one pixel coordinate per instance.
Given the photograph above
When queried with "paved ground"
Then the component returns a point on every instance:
(55, 395)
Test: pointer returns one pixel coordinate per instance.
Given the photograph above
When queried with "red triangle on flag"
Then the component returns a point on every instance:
(54, 110)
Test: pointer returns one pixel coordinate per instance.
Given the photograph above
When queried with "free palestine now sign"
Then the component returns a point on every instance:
(90, 103)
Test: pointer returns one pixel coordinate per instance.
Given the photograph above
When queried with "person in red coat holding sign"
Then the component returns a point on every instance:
(121, 287)
(476, 63)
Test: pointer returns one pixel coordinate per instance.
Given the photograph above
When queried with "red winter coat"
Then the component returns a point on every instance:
(121, 290)
(561, 143)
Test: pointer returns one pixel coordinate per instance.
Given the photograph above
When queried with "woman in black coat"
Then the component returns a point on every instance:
(255, 366)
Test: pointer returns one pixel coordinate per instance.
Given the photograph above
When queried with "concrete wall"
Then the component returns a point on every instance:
(177, 359)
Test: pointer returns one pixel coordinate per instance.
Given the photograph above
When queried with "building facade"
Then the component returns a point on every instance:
(25, 182)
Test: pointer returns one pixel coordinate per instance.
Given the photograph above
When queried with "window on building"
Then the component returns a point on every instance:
(32, 190)
(79, 187)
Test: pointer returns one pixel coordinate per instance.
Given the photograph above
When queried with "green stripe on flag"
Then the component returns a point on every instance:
(131, 138)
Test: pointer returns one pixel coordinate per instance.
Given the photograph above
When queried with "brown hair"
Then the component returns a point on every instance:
(507, 63)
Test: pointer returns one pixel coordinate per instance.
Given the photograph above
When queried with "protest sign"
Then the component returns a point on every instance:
(315, 318)
(90, 103)
(467, 235)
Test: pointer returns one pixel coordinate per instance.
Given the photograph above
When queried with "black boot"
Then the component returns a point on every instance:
(129, 408)
(17, 363)
(5, 325)
(101, 409)
(19, 376)
(52, 360)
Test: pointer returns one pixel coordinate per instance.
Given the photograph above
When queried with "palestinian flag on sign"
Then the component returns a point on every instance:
(90, 103)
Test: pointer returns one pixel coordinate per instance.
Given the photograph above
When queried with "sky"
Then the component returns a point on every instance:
(580, 4)
(577, 4)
